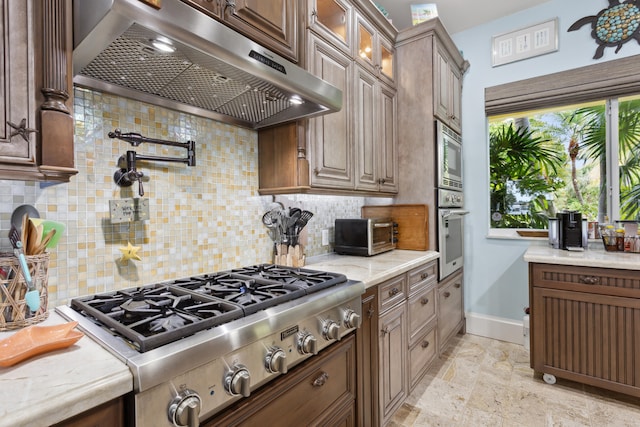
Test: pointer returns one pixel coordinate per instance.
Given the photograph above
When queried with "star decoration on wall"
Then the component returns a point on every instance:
(21, 129)
(129, 252)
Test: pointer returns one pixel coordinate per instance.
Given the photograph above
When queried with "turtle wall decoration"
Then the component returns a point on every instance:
(613, 26)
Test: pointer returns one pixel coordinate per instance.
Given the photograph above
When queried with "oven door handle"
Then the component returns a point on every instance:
(454, 213)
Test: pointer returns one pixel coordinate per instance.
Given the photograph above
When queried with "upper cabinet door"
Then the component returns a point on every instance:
(366, 48)
(331, 20)
(386, 61)
(271, 23)
(17, 91)
(330, 136)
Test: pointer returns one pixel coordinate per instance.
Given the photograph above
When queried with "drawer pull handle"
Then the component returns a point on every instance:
(424, 276)
(321, 380)
(425, 344)
(394, 291)
(589, 280)
(424, 301)
(447, 294)
(457, 285)
(370, 312)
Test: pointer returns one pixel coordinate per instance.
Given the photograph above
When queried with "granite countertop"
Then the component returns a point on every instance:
(57, 385)
(372, 270)
(593, 257)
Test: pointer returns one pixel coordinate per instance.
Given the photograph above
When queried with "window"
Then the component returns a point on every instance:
(569, 140)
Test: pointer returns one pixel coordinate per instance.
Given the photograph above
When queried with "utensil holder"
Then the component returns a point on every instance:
(14, 312)
(289, 255)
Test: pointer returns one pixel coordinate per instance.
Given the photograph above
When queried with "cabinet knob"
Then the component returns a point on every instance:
(370, 312)
(386, 330)
(425, 344)
(447, 294)
(424, 301)
(589, 280)
(457, 285)
(424, 276)
(321, 380)
(231, 4)
(20, 129)
(394, 291)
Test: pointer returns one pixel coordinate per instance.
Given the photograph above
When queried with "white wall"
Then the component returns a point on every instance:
(495, 274)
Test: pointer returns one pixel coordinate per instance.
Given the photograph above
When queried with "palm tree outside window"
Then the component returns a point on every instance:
(550, 160)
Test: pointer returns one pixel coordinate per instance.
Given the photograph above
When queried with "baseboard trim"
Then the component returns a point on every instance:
(495, 327)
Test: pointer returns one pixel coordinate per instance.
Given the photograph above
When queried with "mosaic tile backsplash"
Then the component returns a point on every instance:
(202, 219)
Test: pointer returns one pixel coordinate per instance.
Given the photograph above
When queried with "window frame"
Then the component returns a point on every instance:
(602, 81)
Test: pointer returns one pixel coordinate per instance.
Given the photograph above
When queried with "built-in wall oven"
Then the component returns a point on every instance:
(450, 200)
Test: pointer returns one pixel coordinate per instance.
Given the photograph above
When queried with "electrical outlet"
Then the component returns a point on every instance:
(325, 237)
(121, 211)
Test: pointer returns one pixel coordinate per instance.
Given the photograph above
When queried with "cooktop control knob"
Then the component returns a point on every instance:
(307, 343)
(276, 361)
(352, 319)
(184, 409)
(330, 330)
(238, 381)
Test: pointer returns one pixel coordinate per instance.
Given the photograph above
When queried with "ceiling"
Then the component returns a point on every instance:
(456, 15)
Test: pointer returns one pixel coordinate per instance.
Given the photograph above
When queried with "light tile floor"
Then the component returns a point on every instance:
(485, 382)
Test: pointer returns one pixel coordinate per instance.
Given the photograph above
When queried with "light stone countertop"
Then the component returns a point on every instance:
(372, 270)
(57, 385)
(592, 257)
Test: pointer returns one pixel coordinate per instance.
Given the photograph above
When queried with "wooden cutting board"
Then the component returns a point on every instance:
(413, 223)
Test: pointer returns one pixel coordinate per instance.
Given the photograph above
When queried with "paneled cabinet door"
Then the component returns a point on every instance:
(447, 89)
(393, 360)
(331, 138)
(331, 20)
(450, 309)
(388, 143)
(366, 130)
(375, 134)
(17, 106)
(272, 23)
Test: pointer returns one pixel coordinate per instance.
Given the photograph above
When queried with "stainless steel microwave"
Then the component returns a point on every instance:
(449, 152)
(364, 236)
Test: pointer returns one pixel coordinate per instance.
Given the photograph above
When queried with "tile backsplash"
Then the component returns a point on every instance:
(202, 219)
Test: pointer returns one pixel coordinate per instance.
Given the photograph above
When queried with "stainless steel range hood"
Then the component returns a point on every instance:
(212, 71)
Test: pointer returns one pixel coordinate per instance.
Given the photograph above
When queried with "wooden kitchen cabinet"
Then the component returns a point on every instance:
(367, 360)
(447, 89)
(450, 309)
(418, 50)
(585, 325)
(109, 414)
(375, 134)
(397, 341)
(319, 392)
(373, 51)
(353, 151)
(392, 353)
(273, 23)
(330, 136)
(332, 21)
(36, 135)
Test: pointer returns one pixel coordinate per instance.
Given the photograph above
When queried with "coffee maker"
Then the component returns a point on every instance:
(569, 232)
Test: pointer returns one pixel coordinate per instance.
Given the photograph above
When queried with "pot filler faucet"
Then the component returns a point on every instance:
(128, 173)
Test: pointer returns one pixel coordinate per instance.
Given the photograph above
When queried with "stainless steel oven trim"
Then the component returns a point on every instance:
(446, 135)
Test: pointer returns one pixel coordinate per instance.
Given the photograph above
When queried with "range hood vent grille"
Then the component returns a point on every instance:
(200, 76)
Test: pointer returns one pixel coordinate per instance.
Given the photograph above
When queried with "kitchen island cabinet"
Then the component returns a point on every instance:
(585, 320)
(36, 134)
(109, 414)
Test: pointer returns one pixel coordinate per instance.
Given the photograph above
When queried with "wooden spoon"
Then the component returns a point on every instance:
(32, 238)
(45, 241)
